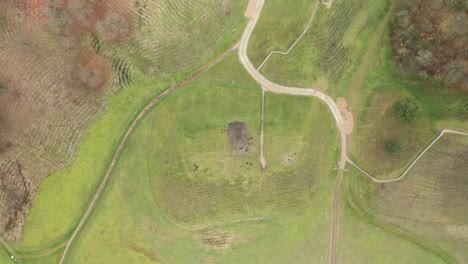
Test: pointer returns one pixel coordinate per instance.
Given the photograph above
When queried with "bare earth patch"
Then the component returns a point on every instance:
(216, 239)
(250, 9)
(347, 115)
(239, 137)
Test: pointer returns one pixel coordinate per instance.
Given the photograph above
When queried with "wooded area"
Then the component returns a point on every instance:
(430, 38)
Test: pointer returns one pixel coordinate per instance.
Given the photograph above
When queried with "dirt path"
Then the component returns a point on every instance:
(403, 175)
(263, 161)
(276, 88)
(285, 53)
(129, 132)
(250, 9)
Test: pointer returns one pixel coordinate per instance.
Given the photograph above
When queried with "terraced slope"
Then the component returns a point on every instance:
(46, 110)
(256, 209)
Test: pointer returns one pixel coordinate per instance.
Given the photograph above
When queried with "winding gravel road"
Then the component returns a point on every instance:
(269, 86)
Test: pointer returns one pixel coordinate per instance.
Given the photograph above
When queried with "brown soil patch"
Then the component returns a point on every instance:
(239, 137)
(216, 239)
(347, 115)
(250, 9)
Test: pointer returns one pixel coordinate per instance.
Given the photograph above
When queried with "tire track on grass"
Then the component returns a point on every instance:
(123, 142)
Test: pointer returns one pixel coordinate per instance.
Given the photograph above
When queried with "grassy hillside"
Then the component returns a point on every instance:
(377, 123)
(362, 242)
(65, 194)
(249, 211)
(432, 200)
(272, 33)
(335, 42)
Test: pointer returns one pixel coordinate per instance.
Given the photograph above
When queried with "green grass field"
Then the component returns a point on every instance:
(346, 53)
(362, 242)
(272, 33)
(4, 256)
(432, 200)
(255, 210)
(376, 123)
(179, 195)
(65, 194)
(46, 258)
(336, 41)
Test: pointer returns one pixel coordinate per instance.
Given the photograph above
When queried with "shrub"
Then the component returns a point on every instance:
(395, 147)
(406, 110)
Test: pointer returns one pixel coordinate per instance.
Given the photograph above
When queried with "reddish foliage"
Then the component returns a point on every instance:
(73, 18)
(93, 72)
(30, 8)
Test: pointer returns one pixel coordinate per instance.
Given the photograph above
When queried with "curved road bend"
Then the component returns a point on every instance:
(276, 88)
(122, 144)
